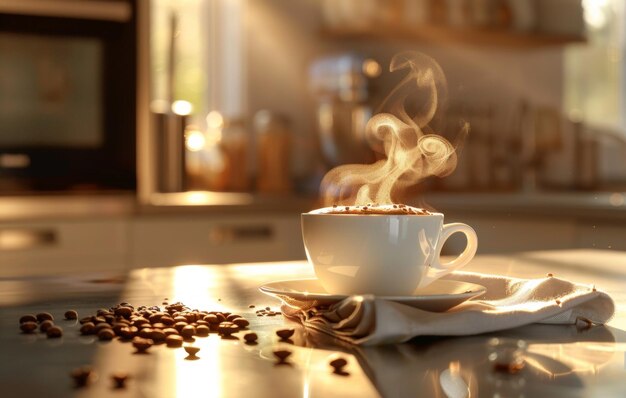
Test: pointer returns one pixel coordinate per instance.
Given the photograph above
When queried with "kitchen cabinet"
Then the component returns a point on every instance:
(506, 233)
(51, 246)
(175, 240)
(40, 236)
(118, 244)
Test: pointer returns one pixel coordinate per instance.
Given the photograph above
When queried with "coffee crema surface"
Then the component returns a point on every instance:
(374, 209)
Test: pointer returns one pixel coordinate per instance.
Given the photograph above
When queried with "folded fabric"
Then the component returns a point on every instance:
(508, 303)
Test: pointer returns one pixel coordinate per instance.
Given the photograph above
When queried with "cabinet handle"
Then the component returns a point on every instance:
(236, 233)
(25, 238)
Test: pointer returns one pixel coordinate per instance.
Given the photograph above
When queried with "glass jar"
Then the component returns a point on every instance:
(273, 141)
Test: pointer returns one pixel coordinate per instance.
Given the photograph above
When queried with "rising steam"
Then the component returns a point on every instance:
(412, 150)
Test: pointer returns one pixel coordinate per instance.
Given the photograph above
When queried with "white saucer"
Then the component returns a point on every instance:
(439, 296)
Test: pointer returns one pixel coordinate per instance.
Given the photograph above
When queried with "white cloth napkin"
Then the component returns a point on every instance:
(508, 303)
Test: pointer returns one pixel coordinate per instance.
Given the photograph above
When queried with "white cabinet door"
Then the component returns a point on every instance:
(505, 234)
(52, 247)
(166, 240)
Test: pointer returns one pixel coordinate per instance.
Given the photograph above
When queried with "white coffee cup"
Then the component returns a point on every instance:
(386, 255)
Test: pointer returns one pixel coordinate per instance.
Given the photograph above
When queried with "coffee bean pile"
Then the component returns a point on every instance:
(171, 324)
(42, 321)
(144, 326)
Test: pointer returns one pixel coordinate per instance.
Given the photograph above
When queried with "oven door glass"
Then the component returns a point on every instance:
(50, 91)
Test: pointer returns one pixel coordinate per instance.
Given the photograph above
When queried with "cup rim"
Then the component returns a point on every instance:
(433, 214)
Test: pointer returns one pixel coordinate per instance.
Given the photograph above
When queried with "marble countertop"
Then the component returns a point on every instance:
(563, 361)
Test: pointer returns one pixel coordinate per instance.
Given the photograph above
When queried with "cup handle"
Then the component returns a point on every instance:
(438, 269)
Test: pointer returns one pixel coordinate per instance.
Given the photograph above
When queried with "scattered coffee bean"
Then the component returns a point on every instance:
(156, 317)
(102, 312)
(284, 334)
(191, 350)
(45, 325)
(251, 306)
(157, 335)
(242, 323)
(119, 380)
(54, 332)
(202, 330)
(338, 364)
(28, 318)
(180, 325)
(100, 326)
(81, 376)
(71, 315)
(88, 328)
(558, 302)
(127, 333)
(282, 355)
(124, 312)
(28, 327)
(250, 337)
(118, 326)
(268, 309)
(232, 317)
(188, 331)
(85, 320)
(44, 316)
(170, 331)
(227, 328)
(140, 321)
(106, 334)
(550, 275)
(174, 340)
(141, 344)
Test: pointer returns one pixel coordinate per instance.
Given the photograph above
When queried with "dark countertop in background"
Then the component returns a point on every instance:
(596, 205)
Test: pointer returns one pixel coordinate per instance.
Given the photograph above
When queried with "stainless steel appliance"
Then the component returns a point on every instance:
(341, 86)
(67, 95)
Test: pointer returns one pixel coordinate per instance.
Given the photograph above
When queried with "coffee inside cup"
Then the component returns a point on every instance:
(374, 209)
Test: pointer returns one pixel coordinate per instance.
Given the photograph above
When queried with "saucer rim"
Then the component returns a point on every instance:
(329, 296)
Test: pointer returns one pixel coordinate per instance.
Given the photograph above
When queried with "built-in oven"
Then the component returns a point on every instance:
(68, 74)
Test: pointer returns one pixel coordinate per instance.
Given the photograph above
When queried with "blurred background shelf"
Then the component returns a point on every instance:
(447, 36)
